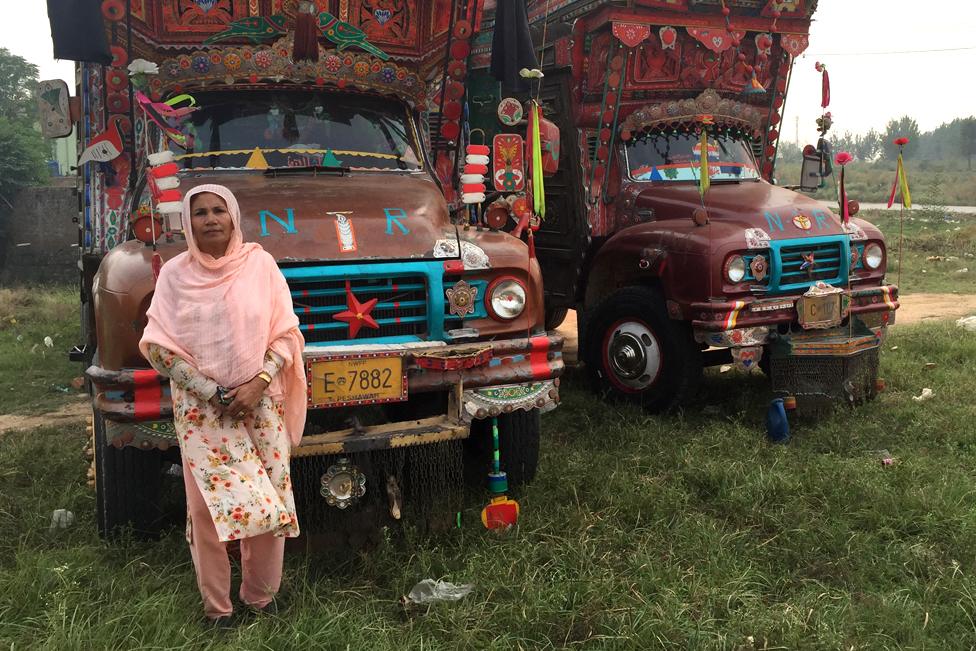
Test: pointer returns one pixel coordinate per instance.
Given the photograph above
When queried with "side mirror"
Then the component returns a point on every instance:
(53, 108)
(816, 166)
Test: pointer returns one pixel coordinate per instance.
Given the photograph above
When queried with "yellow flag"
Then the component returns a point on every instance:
(906, 196)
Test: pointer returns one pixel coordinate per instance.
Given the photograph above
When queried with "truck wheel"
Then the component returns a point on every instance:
(635, 352)
(128, 484)
(555, 317)
(518, 445)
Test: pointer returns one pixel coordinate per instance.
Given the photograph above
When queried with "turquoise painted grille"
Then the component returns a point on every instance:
(832, 256)
(410, 301)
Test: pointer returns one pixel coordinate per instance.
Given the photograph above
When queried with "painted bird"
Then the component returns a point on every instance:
(344, 35)
(255, 29)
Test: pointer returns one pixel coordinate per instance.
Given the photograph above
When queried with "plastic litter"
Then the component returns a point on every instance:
(62, 519)
(885, 457)
(48, 342)
(967, 322)
(927, 394)
(61, 388)
(430, 591)
(961, 271)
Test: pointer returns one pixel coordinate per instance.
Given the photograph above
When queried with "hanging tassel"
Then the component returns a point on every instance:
(754, 87)
(157, 264)
(704, 179)
(306, 46)
(842, 159)
(824, 85)
(531, 245)
(901, 178)
(538, 187)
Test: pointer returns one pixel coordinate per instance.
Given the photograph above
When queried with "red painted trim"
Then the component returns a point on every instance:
(539, 357)
(148, 395)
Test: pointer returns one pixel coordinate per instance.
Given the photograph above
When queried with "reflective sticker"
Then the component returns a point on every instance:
(345, 231)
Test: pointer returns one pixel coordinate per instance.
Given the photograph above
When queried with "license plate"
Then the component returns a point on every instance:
(357, 381)
(819, 311)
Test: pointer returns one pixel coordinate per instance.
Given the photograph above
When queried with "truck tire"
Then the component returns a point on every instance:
(128, 484)
(518, 445)
(635, 352)
(555, 317)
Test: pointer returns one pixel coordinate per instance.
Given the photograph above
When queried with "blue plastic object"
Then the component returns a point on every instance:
(777, 427)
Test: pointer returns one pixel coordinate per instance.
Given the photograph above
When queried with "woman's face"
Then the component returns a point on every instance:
(211, 222)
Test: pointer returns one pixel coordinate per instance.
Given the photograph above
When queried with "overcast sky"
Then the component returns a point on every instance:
(867, 89)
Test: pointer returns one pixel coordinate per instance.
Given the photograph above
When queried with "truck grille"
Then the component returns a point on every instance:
(827, 259)
(401, 309)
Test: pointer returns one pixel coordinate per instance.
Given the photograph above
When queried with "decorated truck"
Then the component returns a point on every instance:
(419, 332)
(664, 227)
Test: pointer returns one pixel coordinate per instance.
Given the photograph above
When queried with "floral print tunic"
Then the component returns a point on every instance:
(240, 465)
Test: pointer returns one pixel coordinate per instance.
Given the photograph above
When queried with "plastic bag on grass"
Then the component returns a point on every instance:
(430, 591)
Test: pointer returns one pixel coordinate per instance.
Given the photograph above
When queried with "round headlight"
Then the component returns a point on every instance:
(873, 255)
(506, 299)
(735, 269)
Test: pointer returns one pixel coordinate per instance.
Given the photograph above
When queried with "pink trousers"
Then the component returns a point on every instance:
(261, 560)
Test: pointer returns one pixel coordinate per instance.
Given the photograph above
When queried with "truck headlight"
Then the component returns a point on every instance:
(735, 269)
(505, 298)
(873, 255)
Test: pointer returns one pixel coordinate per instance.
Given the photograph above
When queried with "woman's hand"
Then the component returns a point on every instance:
(245, 398)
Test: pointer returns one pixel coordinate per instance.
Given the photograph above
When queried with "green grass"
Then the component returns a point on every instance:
(681, 532)
(939, 252)
(33, 377)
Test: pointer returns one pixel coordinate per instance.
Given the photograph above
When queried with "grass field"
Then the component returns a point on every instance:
(681, 532)
(939, 250)
(34, 377)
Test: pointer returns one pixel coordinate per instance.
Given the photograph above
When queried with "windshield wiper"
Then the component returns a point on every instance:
(305, 169)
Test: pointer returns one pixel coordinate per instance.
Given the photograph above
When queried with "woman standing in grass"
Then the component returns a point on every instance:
(222, 316)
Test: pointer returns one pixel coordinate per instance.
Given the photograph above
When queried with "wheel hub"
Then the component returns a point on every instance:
(633, 355)
(627, 356)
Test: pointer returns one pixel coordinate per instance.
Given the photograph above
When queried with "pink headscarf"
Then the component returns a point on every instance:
(222, 314)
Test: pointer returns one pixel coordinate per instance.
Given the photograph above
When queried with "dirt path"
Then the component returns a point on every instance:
(75, 411)
(914, 308)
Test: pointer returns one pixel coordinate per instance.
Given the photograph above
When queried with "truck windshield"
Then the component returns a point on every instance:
(297, 129)
(676, 157)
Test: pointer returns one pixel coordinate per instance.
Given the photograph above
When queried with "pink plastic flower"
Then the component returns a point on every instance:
(843, 158)
(901, 142)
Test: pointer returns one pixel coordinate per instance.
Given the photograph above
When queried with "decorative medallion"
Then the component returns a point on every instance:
(508, 163)
(345, 232)
(855, 257)
(759, 268)
(342, 484)
(747, 358)
(716, 39)
(509, 111)
(669, 37)
(357, 315)
(631, 34)
(809, 263)
(461, 298)
(756, 238)
(52, 101)
(802, 222)
(794, 44)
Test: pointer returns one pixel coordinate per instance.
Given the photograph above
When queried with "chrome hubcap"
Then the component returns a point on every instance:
(634, 355)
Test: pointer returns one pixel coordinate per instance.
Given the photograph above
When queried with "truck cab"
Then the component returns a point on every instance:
(420, 335)
(669, 274)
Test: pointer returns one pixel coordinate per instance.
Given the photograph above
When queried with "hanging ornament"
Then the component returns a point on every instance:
(508, 165)
(306, 46)
(103, 147)
(824, 85)
(509, 111)
(901, 178)
(842, 159)
(668, 36)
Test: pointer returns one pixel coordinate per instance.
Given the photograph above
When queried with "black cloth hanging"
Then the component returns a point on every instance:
(511, 44)
(78, 31)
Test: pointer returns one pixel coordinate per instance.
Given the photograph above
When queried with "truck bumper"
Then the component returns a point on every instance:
(871, 304)
(484, 379)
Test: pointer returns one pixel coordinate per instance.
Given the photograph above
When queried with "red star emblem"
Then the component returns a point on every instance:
(357, 314)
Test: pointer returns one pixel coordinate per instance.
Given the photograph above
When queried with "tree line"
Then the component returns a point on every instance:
(23, 150)
(952, 140)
